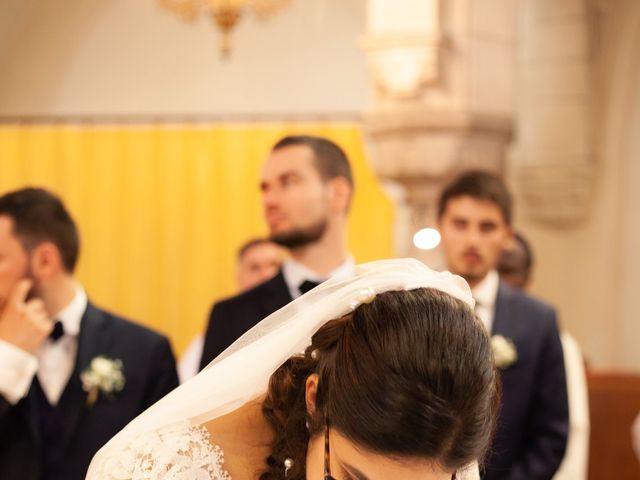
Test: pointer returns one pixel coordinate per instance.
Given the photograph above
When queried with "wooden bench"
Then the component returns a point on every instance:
(614, 402)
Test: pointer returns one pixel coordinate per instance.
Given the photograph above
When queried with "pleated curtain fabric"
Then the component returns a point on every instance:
(163, 209)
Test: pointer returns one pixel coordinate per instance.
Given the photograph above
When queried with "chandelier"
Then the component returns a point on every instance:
(224, 13)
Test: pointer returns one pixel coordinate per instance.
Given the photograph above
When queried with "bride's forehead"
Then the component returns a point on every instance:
(363, 464)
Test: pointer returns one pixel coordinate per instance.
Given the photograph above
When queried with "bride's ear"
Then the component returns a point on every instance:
(311, 387)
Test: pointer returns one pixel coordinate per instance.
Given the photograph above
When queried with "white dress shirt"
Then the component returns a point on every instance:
(189, 364)
(53, 363)
(295, 273)
(485, 294)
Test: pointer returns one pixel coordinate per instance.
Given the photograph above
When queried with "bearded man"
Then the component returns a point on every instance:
(307, 186)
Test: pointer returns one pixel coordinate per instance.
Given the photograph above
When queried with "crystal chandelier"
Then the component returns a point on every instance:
(224, 13)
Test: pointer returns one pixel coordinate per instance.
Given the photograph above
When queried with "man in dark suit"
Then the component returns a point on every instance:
(475, 223)
(306, 187)
(259, 260)
(72, 375)
(515, 267)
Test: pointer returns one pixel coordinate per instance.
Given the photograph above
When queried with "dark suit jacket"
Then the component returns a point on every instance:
(150, 373)
(534, 420)
(232, 317)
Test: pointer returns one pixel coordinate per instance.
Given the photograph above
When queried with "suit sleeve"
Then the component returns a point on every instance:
(548, 425)
(5, 408)
(164, 375)
(218, 336)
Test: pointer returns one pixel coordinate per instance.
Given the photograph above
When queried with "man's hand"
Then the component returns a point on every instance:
(23, 323)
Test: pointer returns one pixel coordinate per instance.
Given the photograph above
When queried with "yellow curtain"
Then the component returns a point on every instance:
(162, 209)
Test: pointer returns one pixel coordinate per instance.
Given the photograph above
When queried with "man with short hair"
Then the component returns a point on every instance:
(258, 261)
(72, 374)
(307, 186)
(475, 216)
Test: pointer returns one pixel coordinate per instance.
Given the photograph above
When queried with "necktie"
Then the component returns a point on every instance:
(57, 332)
(307, 285)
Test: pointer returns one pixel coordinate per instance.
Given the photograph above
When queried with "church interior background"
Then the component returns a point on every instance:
(152, 128)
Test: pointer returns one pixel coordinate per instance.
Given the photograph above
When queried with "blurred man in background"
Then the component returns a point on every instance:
(516, 262)
(516, 267)
(307, 187)
(72, 374)
(475, 217)
(258, 261)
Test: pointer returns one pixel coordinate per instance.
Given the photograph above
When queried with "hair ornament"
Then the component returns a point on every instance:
(365, 295)
(288, 463)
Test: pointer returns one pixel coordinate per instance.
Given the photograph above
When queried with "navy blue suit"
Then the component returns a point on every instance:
(38, 441)
(231, 318)
(534, 421)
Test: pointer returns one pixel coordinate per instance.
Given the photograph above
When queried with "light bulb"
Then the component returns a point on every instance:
(426, 238)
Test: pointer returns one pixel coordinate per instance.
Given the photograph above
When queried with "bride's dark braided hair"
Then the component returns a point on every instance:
(285, 408)
(408, 375)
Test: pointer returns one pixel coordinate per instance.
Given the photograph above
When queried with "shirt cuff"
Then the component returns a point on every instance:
(16, 374)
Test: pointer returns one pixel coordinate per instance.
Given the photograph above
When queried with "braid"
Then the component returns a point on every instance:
(285, 407)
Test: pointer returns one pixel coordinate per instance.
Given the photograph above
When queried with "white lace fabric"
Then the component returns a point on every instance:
(180, 452)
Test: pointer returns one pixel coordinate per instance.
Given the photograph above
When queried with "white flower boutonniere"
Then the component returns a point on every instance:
(102, 375)
(504, 351)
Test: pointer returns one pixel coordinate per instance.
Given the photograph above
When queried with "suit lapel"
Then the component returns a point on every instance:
(32, 412)
(276, 294)
(501, 324)
(92, 341)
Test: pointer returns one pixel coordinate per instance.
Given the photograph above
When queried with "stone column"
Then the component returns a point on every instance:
(552, 161)
(442, 101)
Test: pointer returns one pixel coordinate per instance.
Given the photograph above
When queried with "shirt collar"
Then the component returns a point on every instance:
(486, 291)
(71, 315)
(295, 273)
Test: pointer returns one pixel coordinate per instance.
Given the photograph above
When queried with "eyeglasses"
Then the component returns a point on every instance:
(327, 456)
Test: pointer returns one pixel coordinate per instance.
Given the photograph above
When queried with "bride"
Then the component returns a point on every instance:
(396, 380)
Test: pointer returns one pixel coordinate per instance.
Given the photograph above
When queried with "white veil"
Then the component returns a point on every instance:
(241, 373)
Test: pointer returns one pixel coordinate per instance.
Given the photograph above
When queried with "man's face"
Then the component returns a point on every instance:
(14, 259)
(295, 198)
(474, 233)
(258, 264)
(512, 266)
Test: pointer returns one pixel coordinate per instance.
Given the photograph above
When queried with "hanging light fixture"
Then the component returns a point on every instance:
(224, 13)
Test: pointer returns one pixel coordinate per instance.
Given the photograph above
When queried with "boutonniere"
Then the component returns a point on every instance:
(103, 375)
(504, 351)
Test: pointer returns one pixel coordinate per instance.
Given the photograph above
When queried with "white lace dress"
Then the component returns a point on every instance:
(182, 452)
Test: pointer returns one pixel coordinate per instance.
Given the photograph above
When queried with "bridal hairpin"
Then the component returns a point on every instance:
(365, 295)
(288, 463)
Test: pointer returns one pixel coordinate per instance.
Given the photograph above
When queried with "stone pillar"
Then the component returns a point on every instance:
(442, 101)
(552, 161)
